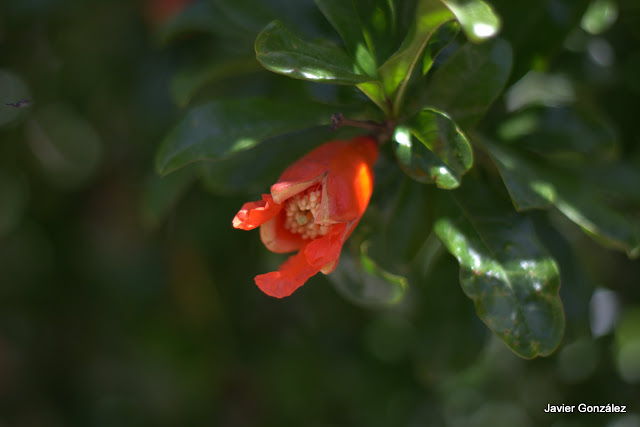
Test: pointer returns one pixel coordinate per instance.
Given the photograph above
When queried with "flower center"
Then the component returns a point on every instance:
(301, 211)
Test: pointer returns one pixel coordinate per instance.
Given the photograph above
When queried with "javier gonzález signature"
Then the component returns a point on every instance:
(584, 408)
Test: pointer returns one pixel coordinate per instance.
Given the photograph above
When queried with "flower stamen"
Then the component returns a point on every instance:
(301, 211)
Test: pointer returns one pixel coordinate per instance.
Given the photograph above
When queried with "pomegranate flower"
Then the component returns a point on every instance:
(313, 208)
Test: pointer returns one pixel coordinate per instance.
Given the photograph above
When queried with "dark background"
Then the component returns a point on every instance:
(120, 307)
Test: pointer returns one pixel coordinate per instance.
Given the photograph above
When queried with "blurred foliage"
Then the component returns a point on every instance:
(126, 298)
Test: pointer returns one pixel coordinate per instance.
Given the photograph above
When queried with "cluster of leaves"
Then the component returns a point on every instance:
(434, 69)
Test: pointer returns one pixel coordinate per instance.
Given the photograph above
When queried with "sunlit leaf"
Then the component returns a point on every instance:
(397, 70)
(360, 26)
(375, 92)
(477, 18)
(431, 149)
(440, 39)
(364, 282)
(344, 18)
(224, 127)
(525, 187)
(282, 52)
(469, 81)
(508, 274)
(534, 185)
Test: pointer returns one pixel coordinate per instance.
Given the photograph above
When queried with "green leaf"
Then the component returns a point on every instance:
(365, 28)
(469, 81)
(397, 70)
(562, 133)
(364, 282)
(344, 18)
(375, 92)
(477, 18)
(410, 221)
(526, 189)
(508, 274)
(533, 183)
(14, 98)
(431, 149)
(440, 39)
(594, 215)
(189, 81)
(222, 128)
(280, 51)
(243, 174)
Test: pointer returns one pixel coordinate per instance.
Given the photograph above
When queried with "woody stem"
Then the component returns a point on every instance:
(338, 120)
(382, 131)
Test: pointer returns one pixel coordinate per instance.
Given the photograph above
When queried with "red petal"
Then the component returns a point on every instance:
(254, 214)
(277, 238)
(307, 171)
(327, 248)
(328, 269)
(349, 182)
(292, 274)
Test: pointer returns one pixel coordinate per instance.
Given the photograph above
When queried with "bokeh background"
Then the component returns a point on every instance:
(128, 300)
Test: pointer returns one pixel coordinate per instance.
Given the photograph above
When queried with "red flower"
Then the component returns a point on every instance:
(313, 208)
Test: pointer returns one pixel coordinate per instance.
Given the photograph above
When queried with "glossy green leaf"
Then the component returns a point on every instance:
(440, 39)
(15, 98)
(222, 128)
(508, 274)
(526, 189)
(477, 18)
(365, 28)
(344, 18)
(469, 81)
(397, 70)
(375, 92)
(431, 149)
(597, 218)
(364, 282)
(532, 184)
(282, 52)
